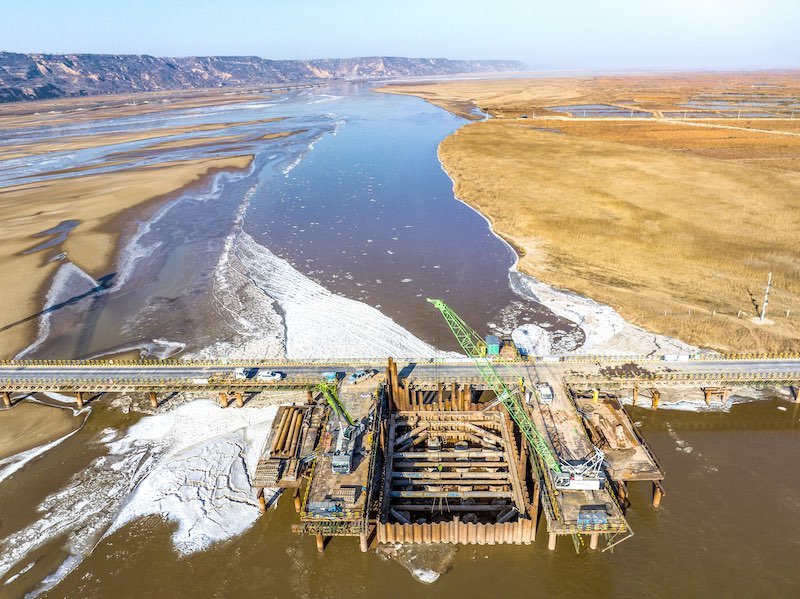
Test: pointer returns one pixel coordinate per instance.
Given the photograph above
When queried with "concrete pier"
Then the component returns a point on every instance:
(658, 494)
(594, 538)
(656, 395)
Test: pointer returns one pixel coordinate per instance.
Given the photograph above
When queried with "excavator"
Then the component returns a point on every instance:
(584, 474)
(342, 459)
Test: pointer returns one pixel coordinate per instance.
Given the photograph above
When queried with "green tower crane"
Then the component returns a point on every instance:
(329, 391)
(342, 455)
(586, 475)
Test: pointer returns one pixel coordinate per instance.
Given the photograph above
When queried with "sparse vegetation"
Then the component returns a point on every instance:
(675, 225)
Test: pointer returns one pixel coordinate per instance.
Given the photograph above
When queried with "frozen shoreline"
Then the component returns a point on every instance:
(273, 310)
(190, 465)
(605, 331)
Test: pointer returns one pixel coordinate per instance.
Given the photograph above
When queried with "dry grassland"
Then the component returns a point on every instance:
(673, 223)
(653, 93)
(718, 139)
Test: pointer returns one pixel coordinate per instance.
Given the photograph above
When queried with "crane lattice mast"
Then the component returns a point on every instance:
(475, 348)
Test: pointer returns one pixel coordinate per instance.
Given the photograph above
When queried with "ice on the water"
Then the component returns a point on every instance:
(191, 465)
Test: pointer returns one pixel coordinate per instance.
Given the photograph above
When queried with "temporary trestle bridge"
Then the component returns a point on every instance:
(431, 453)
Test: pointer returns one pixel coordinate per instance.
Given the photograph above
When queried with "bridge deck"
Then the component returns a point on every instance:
(580, 373)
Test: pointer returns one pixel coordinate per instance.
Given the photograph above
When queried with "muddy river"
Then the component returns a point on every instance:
(328, 245)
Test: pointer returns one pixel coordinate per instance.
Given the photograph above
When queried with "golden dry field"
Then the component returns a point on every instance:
(673, 222)
(653, 93)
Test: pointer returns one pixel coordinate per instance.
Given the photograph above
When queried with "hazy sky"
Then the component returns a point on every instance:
(572, 33)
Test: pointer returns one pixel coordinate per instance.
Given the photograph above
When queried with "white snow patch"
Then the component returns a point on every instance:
(202, 480)
(191, 465)
(605, 330)
(60, 397)
(532, 340)
(324, 98)
(20, 573)
(319, 323)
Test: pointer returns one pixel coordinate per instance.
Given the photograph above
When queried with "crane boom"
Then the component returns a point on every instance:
(475, 348)
(329, 391)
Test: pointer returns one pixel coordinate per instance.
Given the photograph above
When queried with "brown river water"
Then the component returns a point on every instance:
(358, 204)
(729, 526)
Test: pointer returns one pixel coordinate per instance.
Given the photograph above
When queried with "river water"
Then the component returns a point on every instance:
(329, 245)
(728, 527)
(355, 201)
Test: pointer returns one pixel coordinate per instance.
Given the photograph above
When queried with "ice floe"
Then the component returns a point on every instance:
(319, 323)
(191, 465)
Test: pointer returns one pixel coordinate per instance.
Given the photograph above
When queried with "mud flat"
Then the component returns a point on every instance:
(674, 226)
(66, 144)
(79, 220)
(70, 110)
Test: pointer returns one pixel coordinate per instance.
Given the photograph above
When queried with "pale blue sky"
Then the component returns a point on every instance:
(559, 33)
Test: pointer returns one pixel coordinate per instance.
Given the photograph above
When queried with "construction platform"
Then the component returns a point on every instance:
(440, 461)
(627, 456)
(573, 512)
(340, 503)
(289, 446)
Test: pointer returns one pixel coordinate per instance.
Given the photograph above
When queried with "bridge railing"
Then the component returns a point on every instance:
(362, 362)
(666, 377)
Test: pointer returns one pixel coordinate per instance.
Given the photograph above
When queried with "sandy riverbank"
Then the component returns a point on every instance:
(674, 226)
(97, 208)
(70, 110)
(81, 142)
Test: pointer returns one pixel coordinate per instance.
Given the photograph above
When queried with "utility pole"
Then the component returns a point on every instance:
(766, 298)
